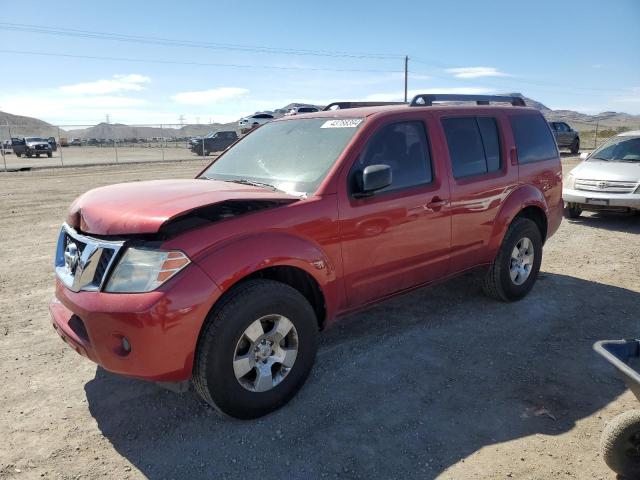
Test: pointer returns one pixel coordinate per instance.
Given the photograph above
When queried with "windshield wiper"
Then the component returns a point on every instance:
(244, 181)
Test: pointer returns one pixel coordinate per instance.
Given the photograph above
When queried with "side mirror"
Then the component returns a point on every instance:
(584, 156)
(374, 178)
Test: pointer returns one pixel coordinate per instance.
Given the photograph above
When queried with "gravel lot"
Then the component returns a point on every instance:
(441, 382)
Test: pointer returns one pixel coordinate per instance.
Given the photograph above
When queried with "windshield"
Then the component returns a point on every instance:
(619, 149)
(35, 139)
(293, 155)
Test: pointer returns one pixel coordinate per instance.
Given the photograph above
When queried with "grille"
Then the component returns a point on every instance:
(90, 269)
(103, 265)
(609, 186)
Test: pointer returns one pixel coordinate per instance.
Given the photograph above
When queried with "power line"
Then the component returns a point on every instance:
(187, 43)
(204, 64)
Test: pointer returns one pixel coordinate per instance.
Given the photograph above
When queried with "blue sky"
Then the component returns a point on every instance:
(579, 55)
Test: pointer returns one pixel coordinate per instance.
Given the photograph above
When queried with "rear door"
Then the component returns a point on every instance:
(399, 237)
(481, 178)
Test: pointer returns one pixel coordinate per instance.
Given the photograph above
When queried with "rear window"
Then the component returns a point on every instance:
(533, 138)
(474, 145)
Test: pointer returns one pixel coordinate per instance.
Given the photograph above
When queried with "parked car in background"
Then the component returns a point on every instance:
(607, 179)
(214, 142)
(30, 146)
(566, 137)
(75, 142)
(255, 120)
(300, 110)
(225, 280)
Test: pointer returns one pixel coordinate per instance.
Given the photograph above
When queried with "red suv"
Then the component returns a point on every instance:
(226, 279)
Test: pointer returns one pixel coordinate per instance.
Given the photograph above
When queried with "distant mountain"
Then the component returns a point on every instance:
(119, 130)
(20, 126)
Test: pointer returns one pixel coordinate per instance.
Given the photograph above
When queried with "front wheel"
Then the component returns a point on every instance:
(515, 269)
(49, 154)
(620, 444)
(572, 210)
(256, 349)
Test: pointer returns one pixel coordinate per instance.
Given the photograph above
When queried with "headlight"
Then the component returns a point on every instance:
(571, 181)
(141, 270)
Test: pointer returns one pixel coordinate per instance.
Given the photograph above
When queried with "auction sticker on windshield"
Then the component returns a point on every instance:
(343, 123)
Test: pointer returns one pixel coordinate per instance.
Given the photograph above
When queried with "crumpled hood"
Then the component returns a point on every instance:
(143, 207)
(603, 170)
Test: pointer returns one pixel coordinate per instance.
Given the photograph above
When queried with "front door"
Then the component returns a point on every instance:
(400, 236)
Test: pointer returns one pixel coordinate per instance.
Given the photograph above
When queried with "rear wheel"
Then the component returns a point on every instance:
(256, 349)
(572, 210)
(575, 146)
(620, 444)
(515, 269)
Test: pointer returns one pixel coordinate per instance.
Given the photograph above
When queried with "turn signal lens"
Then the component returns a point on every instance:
(141, 270)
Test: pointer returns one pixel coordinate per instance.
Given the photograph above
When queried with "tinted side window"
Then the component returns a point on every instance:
(491, 141)
(474, 145)
(404, 147)
(533, 138)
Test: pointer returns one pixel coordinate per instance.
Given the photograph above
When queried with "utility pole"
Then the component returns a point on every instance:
(406, 75)
(181, 120)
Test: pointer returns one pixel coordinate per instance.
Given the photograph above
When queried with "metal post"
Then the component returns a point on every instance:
(595, 139)
(60, 149)
(4, 154)
(115, 146)
(162, 140)
(406, 75)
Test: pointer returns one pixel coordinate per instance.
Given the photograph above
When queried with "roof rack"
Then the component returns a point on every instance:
(426, 100)
(343, 105)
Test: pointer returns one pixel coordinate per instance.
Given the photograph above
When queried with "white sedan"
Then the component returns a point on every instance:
(607, 179)
(255, 120)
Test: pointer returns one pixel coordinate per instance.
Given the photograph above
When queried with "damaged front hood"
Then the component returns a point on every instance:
(146, 207)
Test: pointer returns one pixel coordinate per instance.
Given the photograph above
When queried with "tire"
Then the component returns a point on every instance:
(620, 444)
(37, 155)
(575, 146)
(225, 333)
(29, 155)
(49, 154)
(206, 153)
(18, 155)
(498, 282)
(572, 210)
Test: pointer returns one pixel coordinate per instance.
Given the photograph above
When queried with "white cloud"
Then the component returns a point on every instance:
(399, 95)
(119, 83)
(209, 96)
(476, 72)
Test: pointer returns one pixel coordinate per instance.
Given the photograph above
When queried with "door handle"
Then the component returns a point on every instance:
(436, 204)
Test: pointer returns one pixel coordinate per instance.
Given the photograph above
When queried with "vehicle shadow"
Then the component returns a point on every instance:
(404, 390)
(612, 221)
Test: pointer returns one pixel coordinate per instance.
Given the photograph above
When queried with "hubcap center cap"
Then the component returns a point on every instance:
(263, 350)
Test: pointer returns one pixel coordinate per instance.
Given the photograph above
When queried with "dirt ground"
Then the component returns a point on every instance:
(439, 383)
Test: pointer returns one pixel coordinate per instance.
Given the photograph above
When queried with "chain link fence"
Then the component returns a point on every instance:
(75, 145)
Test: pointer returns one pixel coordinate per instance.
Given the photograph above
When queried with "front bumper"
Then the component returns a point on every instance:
(34, 151)
(162, 326)
(601, 199)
